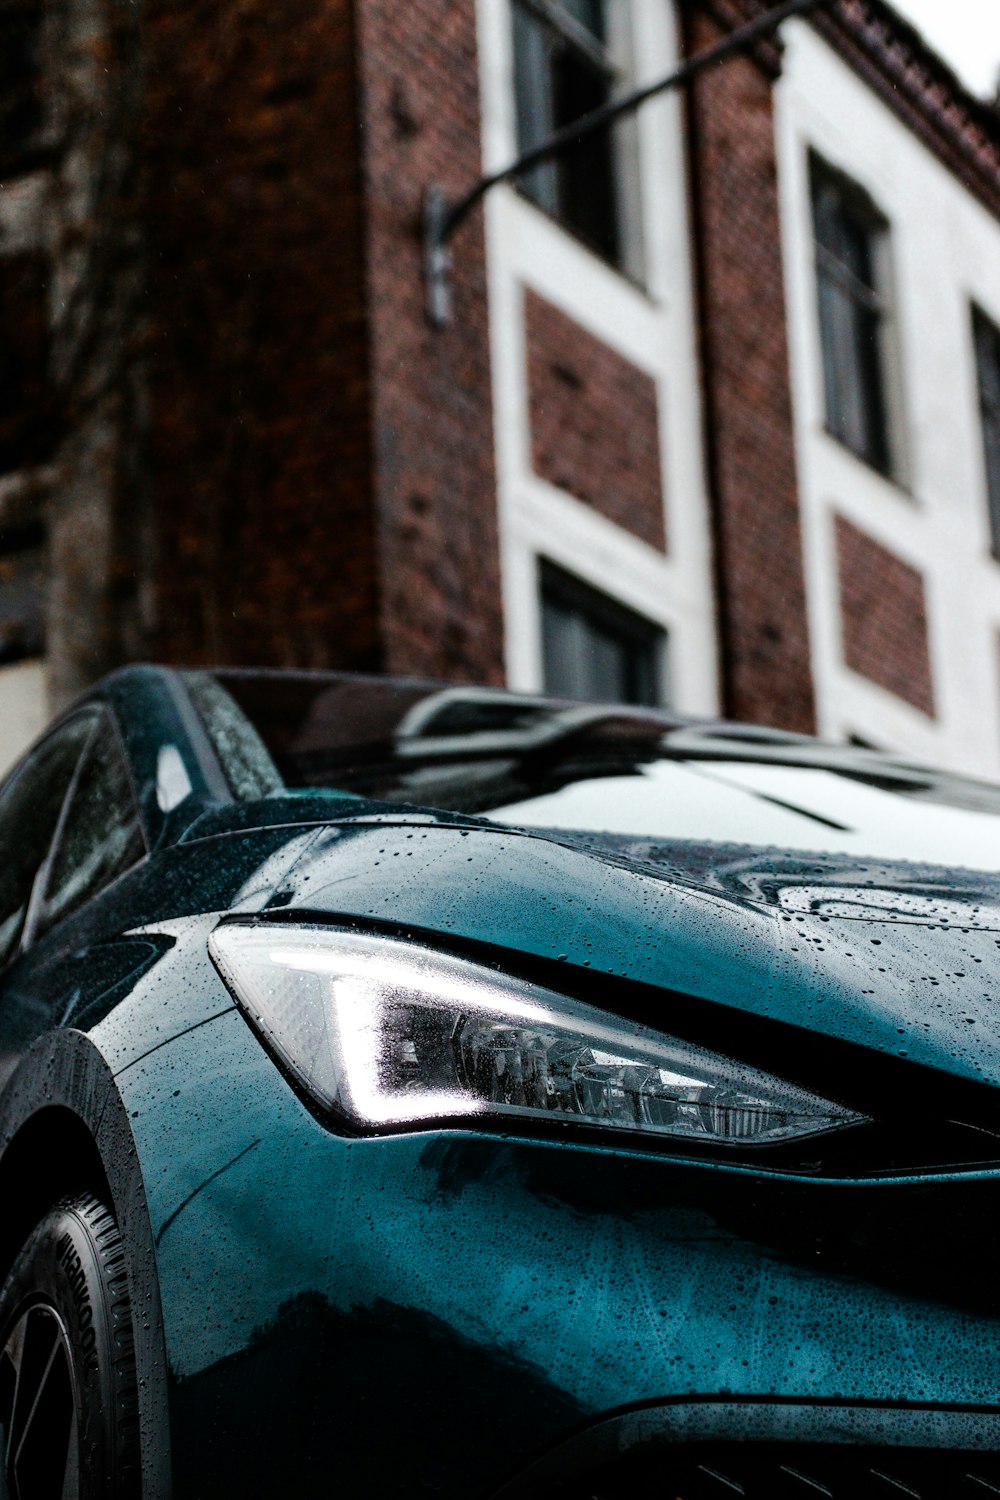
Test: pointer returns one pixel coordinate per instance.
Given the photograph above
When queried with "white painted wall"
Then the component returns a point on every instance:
(24, 709)
(24, 697)
(944, 250)
(652, 326)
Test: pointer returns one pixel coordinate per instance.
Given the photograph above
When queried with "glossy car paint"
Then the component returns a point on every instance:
(429, 1313)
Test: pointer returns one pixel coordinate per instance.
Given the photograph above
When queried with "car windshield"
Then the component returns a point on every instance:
(640, 774)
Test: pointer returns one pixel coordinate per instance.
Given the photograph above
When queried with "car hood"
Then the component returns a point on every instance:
(901, 959)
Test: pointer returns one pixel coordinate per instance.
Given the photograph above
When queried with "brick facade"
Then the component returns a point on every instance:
(269, 456)
(258, 452)
(883, 617)
(765, 657)
(290, 467)
(438, 564)
(594, 422)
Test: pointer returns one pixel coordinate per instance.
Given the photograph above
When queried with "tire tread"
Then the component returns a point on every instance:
(121, 1478)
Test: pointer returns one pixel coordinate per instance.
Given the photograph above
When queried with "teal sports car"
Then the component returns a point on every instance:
(427, 1091)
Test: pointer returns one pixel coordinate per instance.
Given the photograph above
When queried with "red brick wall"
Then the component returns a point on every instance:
(438, 545)
(749, 437)
(594, 422)
(322, 460)
(259, 449)
(883, 617)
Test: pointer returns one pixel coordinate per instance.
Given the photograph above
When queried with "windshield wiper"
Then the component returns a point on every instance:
(802, 812)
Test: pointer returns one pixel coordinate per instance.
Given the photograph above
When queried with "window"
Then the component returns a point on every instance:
(850, 253)
(987, 339)
(27, 429)
(563, 68)
(22, 593)
(100, 836)
(20, 86)
(30, 805)
(595, 649)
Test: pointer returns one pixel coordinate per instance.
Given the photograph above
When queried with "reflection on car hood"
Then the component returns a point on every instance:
(903, 959)
(821, 885)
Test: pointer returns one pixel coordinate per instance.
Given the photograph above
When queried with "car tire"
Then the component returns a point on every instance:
(69, 1426)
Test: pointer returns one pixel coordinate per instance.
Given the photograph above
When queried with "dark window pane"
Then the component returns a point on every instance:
(988, 356)
(852, 371)
(585, 172)
(29, 810)
(857, 250)
(844, 229)
(987, 337)
(851, 316)
(101, 835)
(593, 648)
(22, 594)
(589, 13)
(20, 86)
(26, 426)
(991, 443)
(533, 89)
(559, 77)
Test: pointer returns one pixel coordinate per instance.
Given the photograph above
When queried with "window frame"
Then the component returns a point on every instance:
(32, 148)
(579, 35)
(984, 327)
(23, 558)
(610, 57)
(602, 610)
(875, 374)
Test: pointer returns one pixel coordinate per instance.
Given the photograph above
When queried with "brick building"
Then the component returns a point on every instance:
(715, 420)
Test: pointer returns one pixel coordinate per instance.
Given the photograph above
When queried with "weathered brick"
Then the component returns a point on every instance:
(594, 422)
(321, 459)
(883, 617)
(760, 580)
(270, 457)
(259, 452)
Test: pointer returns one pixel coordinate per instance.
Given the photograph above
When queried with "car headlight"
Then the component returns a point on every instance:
(387, 1034)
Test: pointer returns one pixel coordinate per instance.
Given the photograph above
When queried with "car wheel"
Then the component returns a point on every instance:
(69, 1426)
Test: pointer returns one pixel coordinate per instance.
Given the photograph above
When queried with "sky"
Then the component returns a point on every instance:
(965, 32)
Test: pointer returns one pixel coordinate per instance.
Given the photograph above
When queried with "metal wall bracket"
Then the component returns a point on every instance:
(443, 216)
(437, 258)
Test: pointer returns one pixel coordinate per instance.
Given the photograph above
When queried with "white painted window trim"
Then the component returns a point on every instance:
(653, 327)
(945, 253)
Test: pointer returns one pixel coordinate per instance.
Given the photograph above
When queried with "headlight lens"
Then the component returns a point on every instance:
(388, 1034)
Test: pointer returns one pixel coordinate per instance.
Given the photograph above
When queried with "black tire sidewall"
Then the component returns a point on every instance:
(72, 1262)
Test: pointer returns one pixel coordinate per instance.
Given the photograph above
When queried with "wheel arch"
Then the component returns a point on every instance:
(63, 1126)
(53, 1154)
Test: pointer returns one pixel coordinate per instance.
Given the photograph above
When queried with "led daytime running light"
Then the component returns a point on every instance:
(391, 1035)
